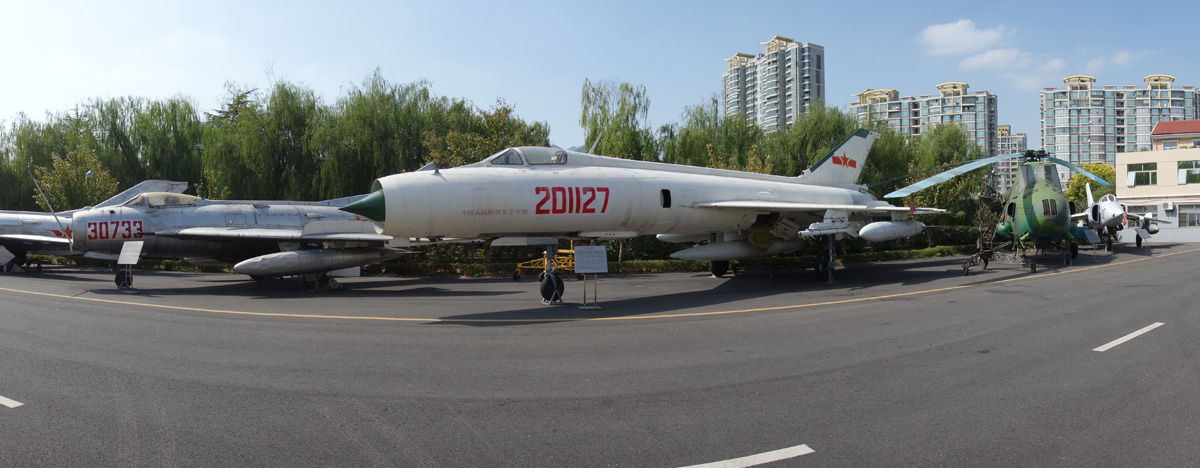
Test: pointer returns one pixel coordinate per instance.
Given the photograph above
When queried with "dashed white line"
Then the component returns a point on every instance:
(1128, 337)
(766, 457)
(10, 403)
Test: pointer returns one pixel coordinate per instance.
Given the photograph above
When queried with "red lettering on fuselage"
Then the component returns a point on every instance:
(118, 230)
(570, 200)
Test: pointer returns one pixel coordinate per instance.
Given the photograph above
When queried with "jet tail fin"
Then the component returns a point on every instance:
(145, 187)
(1088, 187)
(842, 166)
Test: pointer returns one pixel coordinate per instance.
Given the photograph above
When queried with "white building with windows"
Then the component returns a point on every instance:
(1086, 123)
(1008, 142)
(775, 87)
(955, 104)
(1165, 179)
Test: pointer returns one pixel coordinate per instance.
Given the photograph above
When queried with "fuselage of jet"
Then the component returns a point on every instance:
(588, 196)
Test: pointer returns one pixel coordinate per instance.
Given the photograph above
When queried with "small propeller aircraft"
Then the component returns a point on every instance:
(264, 238)
(1107, 216)
(1036, 212)
(26, 232)
(527, 192)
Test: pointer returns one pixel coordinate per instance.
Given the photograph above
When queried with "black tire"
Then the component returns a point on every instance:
(124, 280)
(1033, 268)
(718, 268)
(822, 268)
(1108, 245)
(516, 275)
(1074, 250)
(551, 288)
(1139, 241)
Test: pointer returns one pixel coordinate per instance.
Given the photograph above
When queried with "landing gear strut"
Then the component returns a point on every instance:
(826, 261)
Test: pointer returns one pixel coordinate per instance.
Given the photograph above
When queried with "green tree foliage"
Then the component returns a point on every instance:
(617, 116)
(941, 146)
(379, 129)
(707, 139)
(1077, 192)
(75, 180)
(498, 128)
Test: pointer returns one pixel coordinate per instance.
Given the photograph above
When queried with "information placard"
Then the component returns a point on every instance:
(591, 259)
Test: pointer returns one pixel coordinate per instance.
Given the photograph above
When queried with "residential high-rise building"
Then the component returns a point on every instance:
(1088, 124)
(1008, 142)
(773, 88)
(955, 104)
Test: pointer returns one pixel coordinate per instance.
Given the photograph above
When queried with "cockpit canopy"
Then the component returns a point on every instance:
(162, 199)
(532, 155)
(1108, 198)
(1031, 172)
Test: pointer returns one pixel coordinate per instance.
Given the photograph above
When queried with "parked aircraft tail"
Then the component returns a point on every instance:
(842, 166)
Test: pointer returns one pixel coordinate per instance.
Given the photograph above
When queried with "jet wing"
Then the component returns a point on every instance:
(1079, 216)
(1140, 218)
(32, 240)
(227, 233)
(784, 207)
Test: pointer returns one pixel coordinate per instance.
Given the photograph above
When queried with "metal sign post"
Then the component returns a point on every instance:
(591, 259)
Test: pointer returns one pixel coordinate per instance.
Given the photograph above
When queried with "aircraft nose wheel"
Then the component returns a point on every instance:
(124, 280)
(551, 288)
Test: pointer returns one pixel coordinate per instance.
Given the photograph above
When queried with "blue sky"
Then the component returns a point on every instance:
(536, 55)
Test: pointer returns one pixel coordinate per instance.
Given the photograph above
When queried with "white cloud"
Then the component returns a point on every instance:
(1094, 66)
(1046, 74)
(997, 59)
(1125, 58)
(1052, 65)
(959, 37)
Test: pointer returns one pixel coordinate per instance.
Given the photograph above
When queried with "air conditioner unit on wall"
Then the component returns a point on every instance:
(1168, 206)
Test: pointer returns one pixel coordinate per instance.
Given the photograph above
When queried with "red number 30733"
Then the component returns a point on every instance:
(104, 230)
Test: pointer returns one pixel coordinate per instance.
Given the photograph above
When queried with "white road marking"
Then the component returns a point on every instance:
(10, 403)
(752, 460)
(1128, 337)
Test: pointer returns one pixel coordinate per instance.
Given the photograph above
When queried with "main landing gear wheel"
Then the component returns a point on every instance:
(551, 288)
(124, 280)
(320, 282)
(1139, 241)
(1074, 250)
(822, 268)
(718, 268)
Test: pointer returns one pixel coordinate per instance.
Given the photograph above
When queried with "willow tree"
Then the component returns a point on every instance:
(74, 180)
(617, 116)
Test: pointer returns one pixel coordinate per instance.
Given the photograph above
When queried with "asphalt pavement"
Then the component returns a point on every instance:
(893, 364)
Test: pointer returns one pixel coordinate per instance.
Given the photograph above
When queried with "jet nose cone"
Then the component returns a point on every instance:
(373, 207)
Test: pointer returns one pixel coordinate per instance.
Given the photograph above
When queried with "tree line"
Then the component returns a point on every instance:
(284, 143)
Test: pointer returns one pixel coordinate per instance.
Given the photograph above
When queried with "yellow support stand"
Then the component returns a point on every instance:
(564, 261)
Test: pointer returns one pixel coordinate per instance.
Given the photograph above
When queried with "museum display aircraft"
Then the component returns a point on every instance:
(1036, 213)
(262, 238)
(524, 193)
(26, 232)
(1107, 216)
